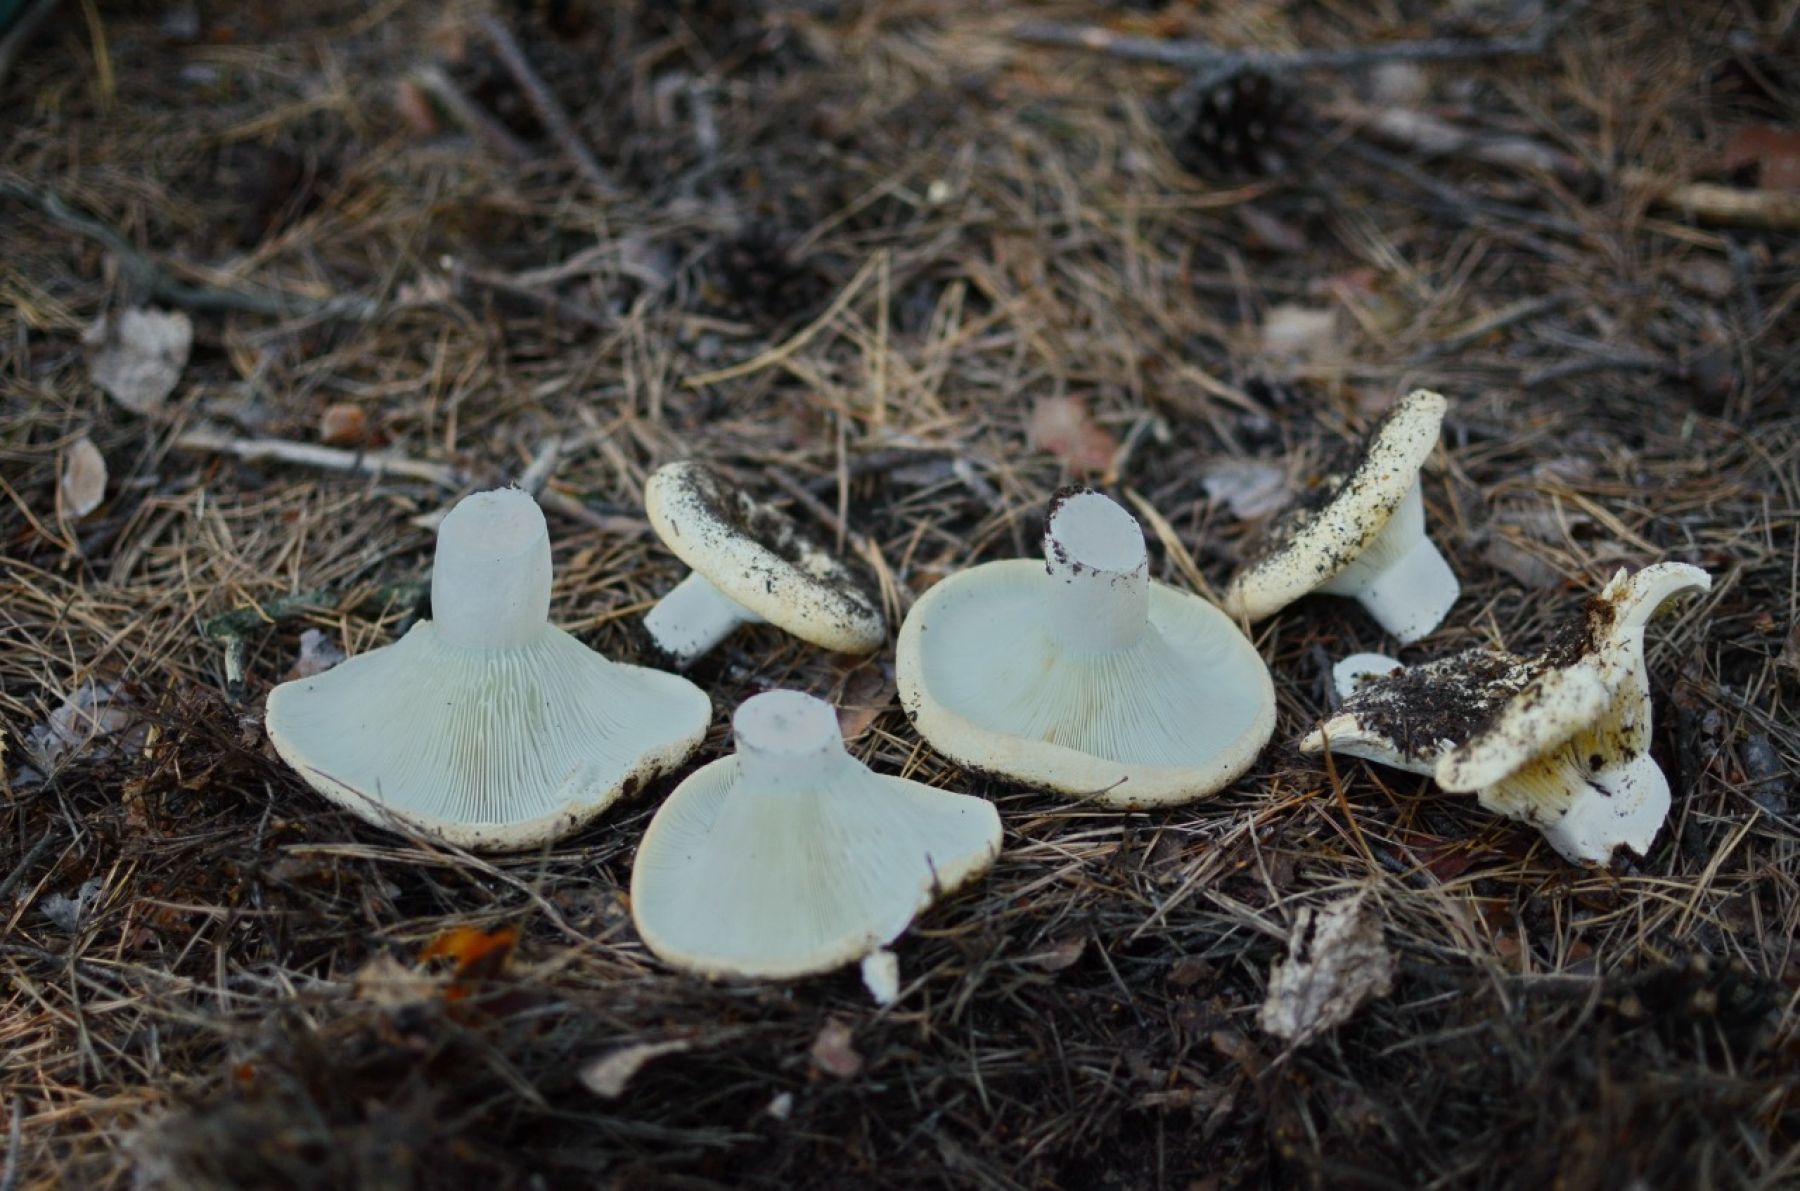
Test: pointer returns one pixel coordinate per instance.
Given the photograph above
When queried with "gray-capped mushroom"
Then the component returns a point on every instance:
(1080, 675)
(486, 726)
(1560, 740)
(1361, 534)
(750, 565)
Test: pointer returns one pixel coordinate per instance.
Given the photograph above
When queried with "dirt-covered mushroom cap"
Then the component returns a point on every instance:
(1082, 676)
(792, 857)
(1560, 740)
(486, 726)
(750, 564)
(1361, 534)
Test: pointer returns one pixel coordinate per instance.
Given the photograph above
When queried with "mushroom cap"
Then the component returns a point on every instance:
(1593, 675)
(1326, 531)
(1171, 718)
(741, 876)
(758, 557)
(1408, 718)
(484, 748)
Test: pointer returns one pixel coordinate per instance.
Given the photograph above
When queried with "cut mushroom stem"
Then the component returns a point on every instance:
(490, 580)
(1094, 550)
(1400, 578)
(787, 742)
(693, 618)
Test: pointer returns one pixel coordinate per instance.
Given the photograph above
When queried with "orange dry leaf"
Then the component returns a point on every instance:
(476, 953)
(1062, 426)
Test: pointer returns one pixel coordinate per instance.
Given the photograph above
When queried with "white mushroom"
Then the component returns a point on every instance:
(1560, 740)
(792, 857)
(1362, 535)
(486, 726)
(751, 565)
(1080, 675)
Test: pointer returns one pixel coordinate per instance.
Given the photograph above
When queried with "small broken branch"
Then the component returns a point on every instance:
(544, 103)
(374, 463)
(1204, 56)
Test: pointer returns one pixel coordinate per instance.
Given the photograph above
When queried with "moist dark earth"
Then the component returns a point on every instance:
(905, 272)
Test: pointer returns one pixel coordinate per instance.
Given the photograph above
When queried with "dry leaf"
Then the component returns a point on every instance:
(92, 715)
(415, 108)
(83, 484)
(343, 425)
(65, 912)
(477, 955)
(1336, 961)
(1062, 426)
(386, 982)
(1775, 152)
(832, 1052)
(1250, 488)
(1059, 956)
(137, 355)
(1300, 333)
(1270, 231)
(607, 1075)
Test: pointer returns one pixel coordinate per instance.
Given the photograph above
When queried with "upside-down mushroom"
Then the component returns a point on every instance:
(486, 726)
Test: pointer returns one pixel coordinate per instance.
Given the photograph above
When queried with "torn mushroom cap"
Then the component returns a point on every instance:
(750, 564)
(1560, 740)
(1082, 676)
(485, 726)
(1571, 752)
(1364, 536)
(792, 857)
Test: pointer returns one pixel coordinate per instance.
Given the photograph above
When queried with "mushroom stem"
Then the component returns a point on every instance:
(1400, 578)
(490, 577)
(1586, 814)
(693, 618)
(1094, 550)
(787, 742)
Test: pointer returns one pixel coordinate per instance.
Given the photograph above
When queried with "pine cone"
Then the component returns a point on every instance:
(1239, 128)
(753, 276)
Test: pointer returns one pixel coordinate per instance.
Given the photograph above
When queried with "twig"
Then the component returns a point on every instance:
(489, 131)
(378, 463)
(1201, 55)
(1704, 202)
(18, 873)
(150, 282)
(555, 119)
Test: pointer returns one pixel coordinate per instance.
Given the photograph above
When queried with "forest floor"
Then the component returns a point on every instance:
(895, 269)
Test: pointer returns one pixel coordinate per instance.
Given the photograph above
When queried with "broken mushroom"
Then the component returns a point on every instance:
(1361, 534)
(1560, 740)
(1082, 676)
(791, 857)
(751, 565)
(485, 726)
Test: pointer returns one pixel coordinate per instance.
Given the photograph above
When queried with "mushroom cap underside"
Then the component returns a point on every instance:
(1173, 717)
(732, 880)
(494, 749)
